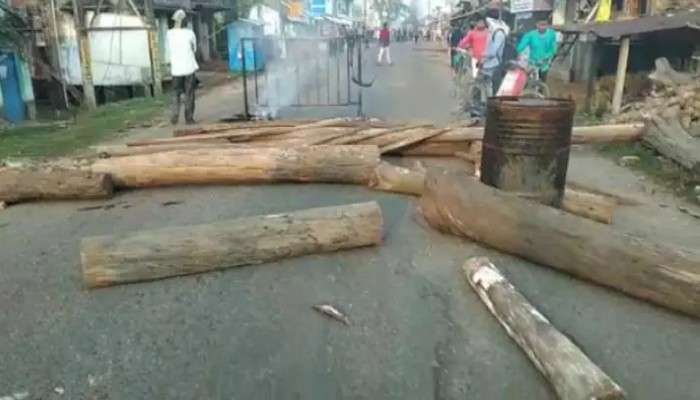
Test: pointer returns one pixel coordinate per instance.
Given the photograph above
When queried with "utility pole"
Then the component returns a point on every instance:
(153, 47)
(85, 58)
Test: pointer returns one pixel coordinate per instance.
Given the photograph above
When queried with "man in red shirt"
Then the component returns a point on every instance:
(476, 40)
(384, 40)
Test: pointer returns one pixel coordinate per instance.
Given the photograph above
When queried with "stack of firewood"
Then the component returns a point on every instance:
(676, 96)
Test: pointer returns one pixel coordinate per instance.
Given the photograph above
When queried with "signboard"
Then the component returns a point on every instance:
(318, 8)
(519, 6)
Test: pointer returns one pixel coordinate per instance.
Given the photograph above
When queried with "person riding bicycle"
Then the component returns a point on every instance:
(542, 46)
(476, 40)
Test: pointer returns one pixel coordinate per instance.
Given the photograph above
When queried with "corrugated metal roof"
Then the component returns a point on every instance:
(616, 29)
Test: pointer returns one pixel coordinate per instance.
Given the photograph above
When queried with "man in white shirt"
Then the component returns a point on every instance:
(182, 45)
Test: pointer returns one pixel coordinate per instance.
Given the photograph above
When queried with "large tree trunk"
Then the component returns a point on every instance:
(148, 255)
(671, 140)
(570, 372)
(331, 164)
(19, 184)
(643, 268)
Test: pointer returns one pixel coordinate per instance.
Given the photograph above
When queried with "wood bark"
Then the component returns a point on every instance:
(233, 126)
(570, 372)
(392, 178)
(22, 184)
(433, 149)
(590, 205)
(410, 141)
(672, 141)
(644, 268)
(148, 255)
(238, 135)
(580, 134)
(332, 164)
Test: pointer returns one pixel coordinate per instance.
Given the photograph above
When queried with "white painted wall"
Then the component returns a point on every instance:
(118, 57)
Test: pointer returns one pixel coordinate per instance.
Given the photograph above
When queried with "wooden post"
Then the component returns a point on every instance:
(48, 16)
(154, 49)
(621, 72)
(85, 56)
(592, 74)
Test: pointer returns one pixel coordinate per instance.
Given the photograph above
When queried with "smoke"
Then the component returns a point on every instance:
(307, 72)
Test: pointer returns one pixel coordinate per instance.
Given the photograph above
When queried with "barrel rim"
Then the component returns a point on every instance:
(547, 102)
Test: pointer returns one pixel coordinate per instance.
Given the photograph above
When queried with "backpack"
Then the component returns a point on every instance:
(509, 52)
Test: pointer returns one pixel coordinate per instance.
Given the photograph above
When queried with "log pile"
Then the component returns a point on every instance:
(645, 268)
(402, 139)
(676, 96)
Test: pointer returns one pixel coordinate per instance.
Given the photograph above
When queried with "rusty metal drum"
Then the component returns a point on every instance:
(526, 146)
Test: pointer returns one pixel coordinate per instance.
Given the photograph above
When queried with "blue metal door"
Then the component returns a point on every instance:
(14, 110)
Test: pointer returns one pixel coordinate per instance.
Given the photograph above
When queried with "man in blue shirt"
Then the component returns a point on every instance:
(542, 45)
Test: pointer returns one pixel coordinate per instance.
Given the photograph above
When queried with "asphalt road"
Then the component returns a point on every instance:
(417, 331)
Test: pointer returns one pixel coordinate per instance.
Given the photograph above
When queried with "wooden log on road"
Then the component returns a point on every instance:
(24, 184)
(641, 267)
(329, 164)
(393, 178)
(672, 141)
(238, 135)
(580, 135)
(162, 253)
(590, 205)
(232, 126)
(570, 372)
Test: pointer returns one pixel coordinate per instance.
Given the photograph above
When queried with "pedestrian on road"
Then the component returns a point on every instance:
(542, 46)
(182, 45)
(384, 41)
(492, 63)
(476, 40)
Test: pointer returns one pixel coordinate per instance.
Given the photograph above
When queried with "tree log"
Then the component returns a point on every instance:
(238, 135)
(232, 126)
(671, 140)
(392, 178)
(662, 274)
(433, 149)
(148, 255)
(332, 164)
(590, 205)
(410, 141)
(581, 134)
(570, 372)
(21, 184)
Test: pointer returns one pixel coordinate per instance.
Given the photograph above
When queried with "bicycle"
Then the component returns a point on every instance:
(462, 72)
(534, 86)
(478, 92)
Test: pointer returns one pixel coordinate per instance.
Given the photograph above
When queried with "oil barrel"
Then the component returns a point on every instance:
(526, 146)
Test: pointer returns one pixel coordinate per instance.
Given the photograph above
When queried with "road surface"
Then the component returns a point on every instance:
(417, 331)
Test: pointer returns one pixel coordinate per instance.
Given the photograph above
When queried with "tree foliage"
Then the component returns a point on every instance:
(12, 26)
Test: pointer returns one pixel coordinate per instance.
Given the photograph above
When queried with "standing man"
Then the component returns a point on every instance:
(384, 41)
(492, 63)
(542, 45)
(475, 41)
(182, 46)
